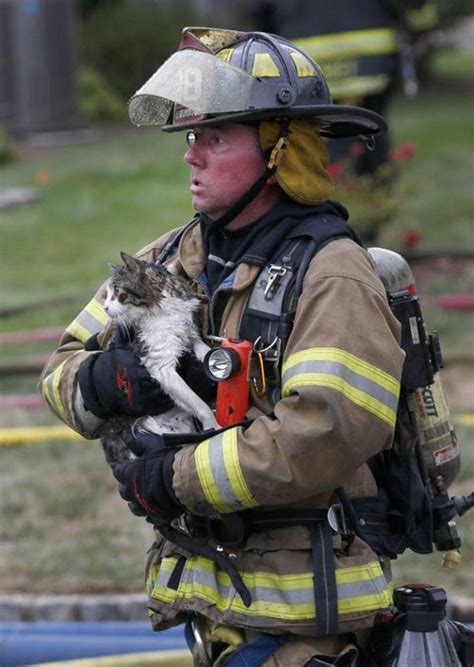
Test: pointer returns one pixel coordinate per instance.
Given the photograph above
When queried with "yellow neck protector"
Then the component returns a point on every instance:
(301, 172)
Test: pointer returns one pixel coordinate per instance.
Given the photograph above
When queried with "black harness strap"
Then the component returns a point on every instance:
(269, 315)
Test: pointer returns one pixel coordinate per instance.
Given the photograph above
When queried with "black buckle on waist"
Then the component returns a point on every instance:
(230, 530)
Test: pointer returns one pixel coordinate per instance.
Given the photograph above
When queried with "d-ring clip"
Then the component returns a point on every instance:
(262, 350)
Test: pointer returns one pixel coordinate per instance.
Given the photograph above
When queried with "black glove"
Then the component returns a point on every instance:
(147, 482)
(115, 382)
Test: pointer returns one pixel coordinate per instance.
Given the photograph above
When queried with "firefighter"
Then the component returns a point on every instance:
(254, 546)
(362, 53)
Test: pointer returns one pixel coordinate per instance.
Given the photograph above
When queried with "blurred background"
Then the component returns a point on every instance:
(78, 184)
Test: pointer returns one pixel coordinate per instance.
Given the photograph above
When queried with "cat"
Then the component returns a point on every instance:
(162, 309)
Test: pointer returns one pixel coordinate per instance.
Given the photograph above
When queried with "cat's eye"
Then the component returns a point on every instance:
(122, 297)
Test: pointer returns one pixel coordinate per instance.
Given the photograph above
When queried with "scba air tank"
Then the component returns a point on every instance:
(421, 378)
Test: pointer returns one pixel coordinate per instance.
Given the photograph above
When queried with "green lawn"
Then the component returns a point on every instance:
(63, 526)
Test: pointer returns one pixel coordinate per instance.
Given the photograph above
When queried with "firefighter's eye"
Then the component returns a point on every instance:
(191, 138)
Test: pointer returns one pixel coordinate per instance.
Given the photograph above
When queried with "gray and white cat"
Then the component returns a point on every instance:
(162, 309)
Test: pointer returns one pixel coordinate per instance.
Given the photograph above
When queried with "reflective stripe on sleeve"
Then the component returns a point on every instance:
(220, 474)
(278, 596)
(50, 390)
(354, 43)
(361, 383)
(91, 320)
(422, 19)
(358, 85)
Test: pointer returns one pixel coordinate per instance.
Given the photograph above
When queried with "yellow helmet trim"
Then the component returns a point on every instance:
(303, 66)
(264, 66)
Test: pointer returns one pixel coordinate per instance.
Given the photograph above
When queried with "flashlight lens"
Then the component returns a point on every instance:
(220, 364)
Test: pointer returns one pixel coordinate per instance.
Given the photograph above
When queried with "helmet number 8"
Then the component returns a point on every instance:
(190, 84)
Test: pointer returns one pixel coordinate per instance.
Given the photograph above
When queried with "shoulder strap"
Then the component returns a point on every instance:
(272, 304)
(269, 315)
(172, 243)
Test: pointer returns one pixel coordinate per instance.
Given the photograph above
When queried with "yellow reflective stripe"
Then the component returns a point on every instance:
(220, 474)
(50, 387)
(354, 395)
(96, 309)
(45, 392)
(356, 364)
(264, 66)
(234, 471)
(78, 331)
(273, 595)
(354, 43)
(203, 466)
(360, 382)
(91, 320)
(358, 85)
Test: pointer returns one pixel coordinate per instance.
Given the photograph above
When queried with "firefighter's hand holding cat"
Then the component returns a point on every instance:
(146, 482)
(115, 382)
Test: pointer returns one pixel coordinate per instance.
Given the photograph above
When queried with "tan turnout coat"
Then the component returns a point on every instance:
(340, 383)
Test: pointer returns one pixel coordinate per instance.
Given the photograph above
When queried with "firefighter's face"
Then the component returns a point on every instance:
(225, 161)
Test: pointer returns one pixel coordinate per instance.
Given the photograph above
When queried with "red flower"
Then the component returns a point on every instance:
(404, 152)
(407, 150)
(358, 148)
(335, 169)
(411, 238)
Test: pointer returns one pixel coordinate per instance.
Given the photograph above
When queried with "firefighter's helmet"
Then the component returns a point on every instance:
(228, 76)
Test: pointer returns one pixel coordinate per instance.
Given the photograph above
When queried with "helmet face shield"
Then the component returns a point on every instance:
(198, 83)
(221, 76)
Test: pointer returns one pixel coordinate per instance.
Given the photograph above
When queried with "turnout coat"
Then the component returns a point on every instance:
(340, 382)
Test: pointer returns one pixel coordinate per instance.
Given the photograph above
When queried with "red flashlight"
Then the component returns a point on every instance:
(229, 366)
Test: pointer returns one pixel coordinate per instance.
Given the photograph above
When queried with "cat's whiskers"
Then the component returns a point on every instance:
(126, 325)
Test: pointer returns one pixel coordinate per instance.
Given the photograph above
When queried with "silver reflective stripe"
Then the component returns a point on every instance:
(273, 595)
(218, 260)
(218, 469)
(359, 588)
(220, 474)
(351, 377)
(91, 320)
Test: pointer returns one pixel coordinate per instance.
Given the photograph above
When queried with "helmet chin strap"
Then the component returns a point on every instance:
(274, 160)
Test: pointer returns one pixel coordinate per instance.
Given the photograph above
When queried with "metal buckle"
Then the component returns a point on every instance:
(200, 650)
(337, 519)
(278, 152)
(276, 272)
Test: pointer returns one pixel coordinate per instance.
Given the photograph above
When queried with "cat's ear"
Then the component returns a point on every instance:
(130, 261)
(114, 267)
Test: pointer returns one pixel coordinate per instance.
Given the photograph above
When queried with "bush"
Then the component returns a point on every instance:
(98, 100)
(7, 154)
(127, 43)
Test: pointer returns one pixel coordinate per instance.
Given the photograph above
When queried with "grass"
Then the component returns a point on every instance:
(63, 526)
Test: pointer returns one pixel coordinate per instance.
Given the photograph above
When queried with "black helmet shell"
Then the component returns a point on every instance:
(261, 76)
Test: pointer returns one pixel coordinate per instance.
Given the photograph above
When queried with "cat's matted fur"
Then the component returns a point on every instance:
(162, 310)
